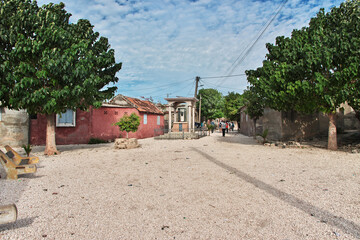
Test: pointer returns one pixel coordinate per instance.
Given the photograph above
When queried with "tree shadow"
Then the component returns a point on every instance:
(323, 215)
(17, 224)
(234, 137)
(39, 150)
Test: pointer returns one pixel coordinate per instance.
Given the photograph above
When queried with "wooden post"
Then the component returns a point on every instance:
(200, 110)
(8, 214)
(197, 79)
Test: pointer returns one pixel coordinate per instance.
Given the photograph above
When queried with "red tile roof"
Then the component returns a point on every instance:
(140, 105)
(144, 106)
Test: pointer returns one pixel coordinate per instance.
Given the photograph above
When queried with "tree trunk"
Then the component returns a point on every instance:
(357, 115)
(254, 120)
(127, 135)
(50, 148)
(332, 137)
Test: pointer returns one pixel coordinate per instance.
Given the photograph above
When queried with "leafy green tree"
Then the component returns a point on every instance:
(50, 64)
(254, 104)
(233, 103)
(212, 103)
(316, 69)
(345, 22)
(129, 123)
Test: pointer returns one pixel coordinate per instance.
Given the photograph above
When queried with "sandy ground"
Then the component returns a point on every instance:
(211, 188)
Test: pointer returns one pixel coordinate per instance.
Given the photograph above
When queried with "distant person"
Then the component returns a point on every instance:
(213, 126)
(227, 127)
(223, 128)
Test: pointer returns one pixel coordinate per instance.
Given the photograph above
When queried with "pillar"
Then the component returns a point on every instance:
(169, 117)
(193, 116)
(190, 117)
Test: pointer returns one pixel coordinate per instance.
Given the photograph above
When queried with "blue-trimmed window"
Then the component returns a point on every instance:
(67, 119)
(145, 118)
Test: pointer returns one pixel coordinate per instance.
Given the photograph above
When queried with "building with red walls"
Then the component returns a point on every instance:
(79, 127)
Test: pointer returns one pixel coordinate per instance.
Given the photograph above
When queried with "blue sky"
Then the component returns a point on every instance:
(165, 44)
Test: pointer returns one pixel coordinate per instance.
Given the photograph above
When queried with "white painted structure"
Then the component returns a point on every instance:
(185, 117)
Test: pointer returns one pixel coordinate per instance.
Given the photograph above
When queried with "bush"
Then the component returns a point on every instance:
(96, 141)
(128, 123)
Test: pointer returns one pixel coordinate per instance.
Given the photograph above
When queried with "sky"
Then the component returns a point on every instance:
(164, 44)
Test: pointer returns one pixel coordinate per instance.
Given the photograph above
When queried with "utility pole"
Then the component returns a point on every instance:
(197, 79)
(200, 110)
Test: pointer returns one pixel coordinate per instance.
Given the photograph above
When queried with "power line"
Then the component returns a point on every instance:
(158, 90)
(256, 40)
(223, 87)
(237, 75)
(160, 86)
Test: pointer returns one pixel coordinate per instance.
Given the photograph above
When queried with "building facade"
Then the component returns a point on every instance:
(78, 127)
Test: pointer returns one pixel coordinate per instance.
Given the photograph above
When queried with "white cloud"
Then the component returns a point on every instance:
(166, 41)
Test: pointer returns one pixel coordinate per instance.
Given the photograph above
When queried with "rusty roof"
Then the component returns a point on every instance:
(140, 105)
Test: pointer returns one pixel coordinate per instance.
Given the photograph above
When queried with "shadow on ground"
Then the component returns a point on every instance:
(18, 224)
(324, 216)
(235, 137)
(38, 150)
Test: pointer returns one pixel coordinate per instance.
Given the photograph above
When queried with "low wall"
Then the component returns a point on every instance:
(14, 127)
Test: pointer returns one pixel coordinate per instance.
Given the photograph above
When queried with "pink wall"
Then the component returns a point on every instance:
(96, 123)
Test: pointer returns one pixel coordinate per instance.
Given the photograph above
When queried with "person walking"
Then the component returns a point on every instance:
(223, 128)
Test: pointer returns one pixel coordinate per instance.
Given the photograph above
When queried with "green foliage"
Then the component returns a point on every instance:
(212, 103)
(233, 103)
(128, 123)
(317, 68)
(254, 103)
(264, 135)
(27, 148)
(49, 63)
(96, 141)
(210, 127)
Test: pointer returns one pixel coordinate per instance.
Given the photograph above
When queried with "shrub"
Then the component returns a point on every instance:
(128, 123)
(96, 141)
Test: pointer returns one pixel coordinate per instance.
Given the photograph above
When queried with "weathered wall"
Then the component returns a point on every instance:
(350, 122)
(14, 127)
(148, 130)
(297, 126)
(96, 123)
(272, 121)
(246, 124)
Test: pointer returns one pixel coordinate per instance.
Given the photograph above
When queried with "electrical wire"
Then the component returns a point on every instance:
(237, 75)
(214, 85)
(253, 43)
(161, 86)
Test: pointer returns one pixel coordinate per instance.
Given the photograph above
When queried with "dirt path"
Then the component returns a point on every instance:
(211, 188)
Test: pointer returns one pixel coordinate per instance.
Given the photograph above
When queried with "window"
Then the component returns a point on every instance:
(145, 118)
(66, 119)
(158, 120)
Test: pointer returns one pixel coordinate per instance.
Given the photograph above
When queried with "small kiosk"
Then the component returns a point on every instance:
(184, 114)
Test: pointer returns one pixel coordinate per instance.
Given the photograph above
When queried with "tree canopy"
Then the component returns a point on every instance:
(233, 103)
(254, 103)
(212, 103)
(49, 64)
(316, 69)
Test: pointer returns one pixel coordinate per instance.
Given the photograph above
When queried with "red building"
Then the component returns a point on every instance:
(80, 126)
